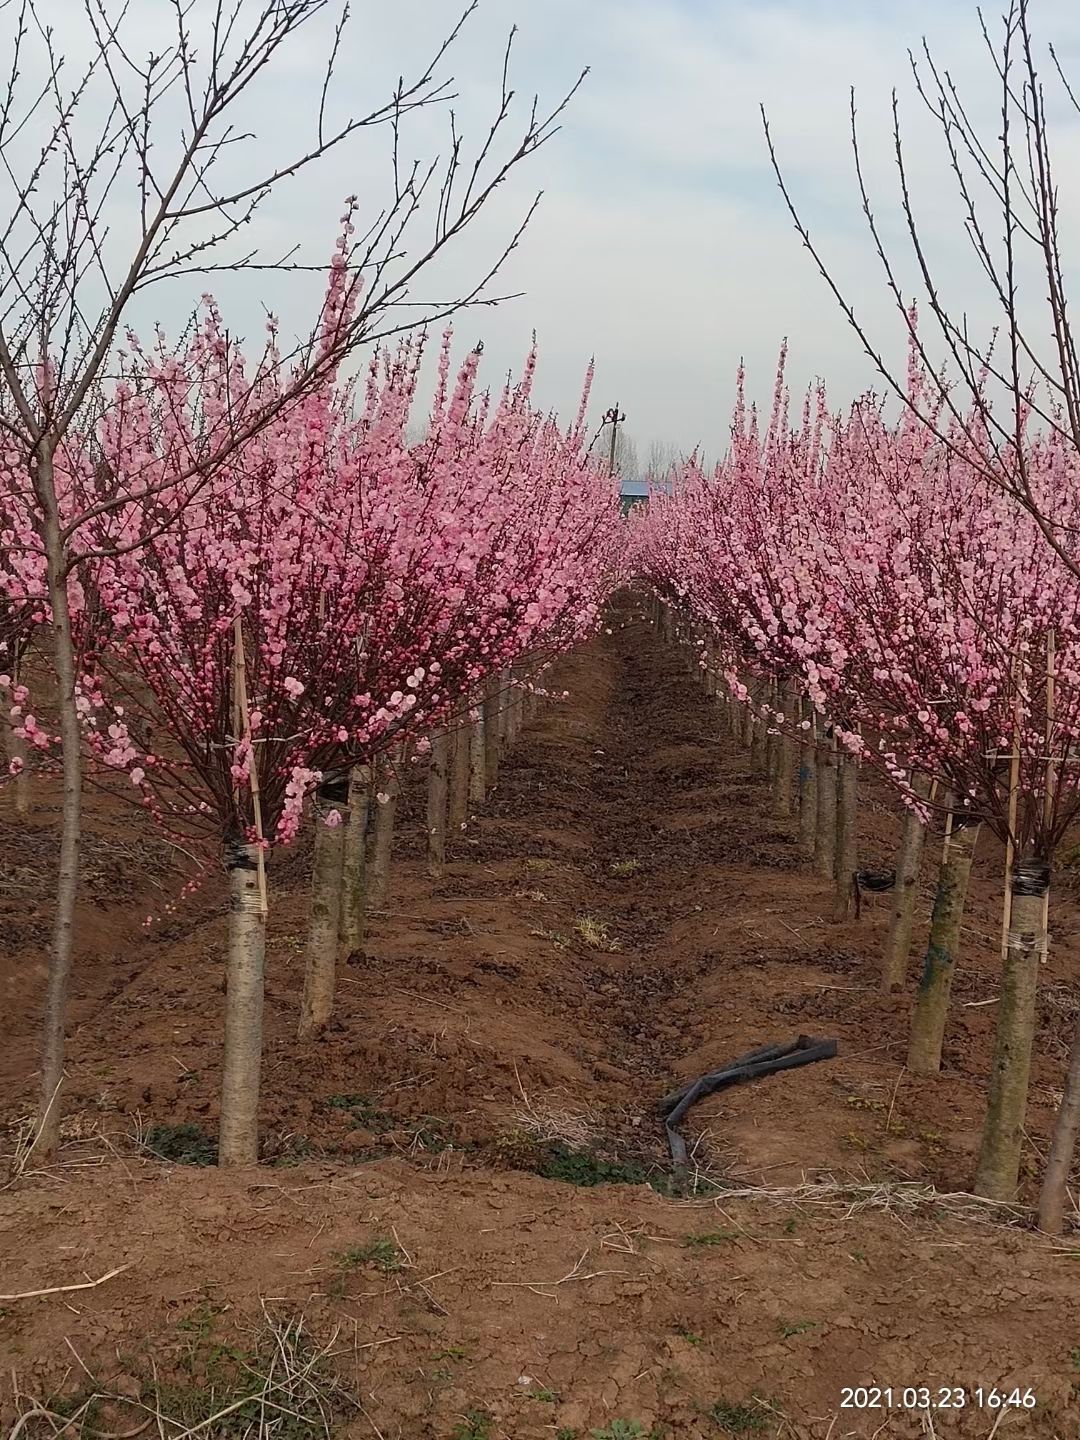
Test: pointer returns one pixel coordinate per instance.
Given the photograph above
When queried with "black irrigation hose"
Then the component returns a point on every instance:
(803, 1051)
(870, 882)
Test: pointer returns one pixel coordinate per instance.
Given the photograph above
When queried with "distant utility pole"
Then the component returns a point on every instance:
(614, 418)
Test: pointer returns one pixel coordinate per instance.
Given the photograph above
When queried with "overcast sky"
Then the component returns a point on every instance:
(661, 245)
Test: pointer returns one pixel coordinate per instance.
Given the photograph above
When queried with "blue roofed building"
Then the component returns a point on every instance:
(635, 491)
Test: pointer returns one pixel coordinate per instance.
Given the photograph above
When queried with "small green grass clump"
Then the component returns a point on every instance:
(594, 932)
(281, 1383)
(366, 1114)
(739, 1419)
(181, 1144)
(581, 1167)
(626, 1430)
(474, 1425)
(383, 1254)
(709, 1238)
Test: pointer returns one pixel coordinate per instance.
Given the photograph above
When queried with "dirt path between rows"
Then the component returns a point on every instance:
(466, 1180)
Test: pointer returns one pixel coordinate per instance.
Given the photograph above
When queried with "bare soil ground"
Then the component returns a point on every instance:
(465, 1191)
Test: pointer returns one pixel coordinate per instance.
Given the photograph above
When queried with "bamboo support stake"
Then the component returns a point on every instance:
(1014, 794)
(1048, 798)
(241, 697)
(1010, 844)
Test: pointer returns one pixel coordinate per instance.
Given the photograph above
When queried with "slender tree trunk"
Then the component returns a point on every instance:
(436, 805)
(238, 1131)
(748, 726)
(825, 848)
(518, 708)
(47, 1137)
(942, 949)
(1055, 1187)
(477, 759)
(772, 740)
(385, 816)
(327, 876)
(758, 748)
(905, 894)
(509, 731)
(808, 818)
(459, 779)
(998, 1170)
(16, 752)
(354, 860)
(492, 705)
(785, 758)
(504, 710)
(847, 837)
(710, 673)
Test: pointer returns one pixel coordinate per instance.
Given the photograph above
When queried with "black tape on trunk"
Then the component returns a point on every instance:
(1031, 877)
(239, 855)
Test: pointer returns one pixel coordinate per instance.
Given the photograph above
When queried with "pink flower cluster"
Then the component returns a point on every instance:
(881, 569)
(376, 582)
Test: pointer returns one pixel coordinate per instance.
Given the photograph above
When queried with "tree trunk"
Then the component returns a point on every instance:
(16, 752)
(942, 948)
(1055, 1187)
(385, 816)
(436, 805)
(320, 972)
(354, 860)
(509, 730)
(504, 710)
(492, 705)
(785, 759)
(847, 837)
(238, 1130)
(477, 759)
(710, 673)
(998, 1170)
(52, 1058)
(459, 779)
(518, 708)
(808, 819)
(772, 740)
(758, 749)
(825, 847)
(905, 895)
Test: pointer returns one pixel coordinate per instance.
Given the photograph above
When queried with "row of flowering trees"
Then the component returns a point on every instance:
(871, 595)
(325, 595)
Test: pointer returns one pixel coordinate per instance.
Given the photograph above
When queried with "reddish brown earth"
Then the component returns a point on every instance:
(479, 1026)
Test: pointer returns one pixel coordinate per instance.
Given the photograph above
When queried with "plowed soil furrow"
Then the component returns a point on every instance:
(437, 1186)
